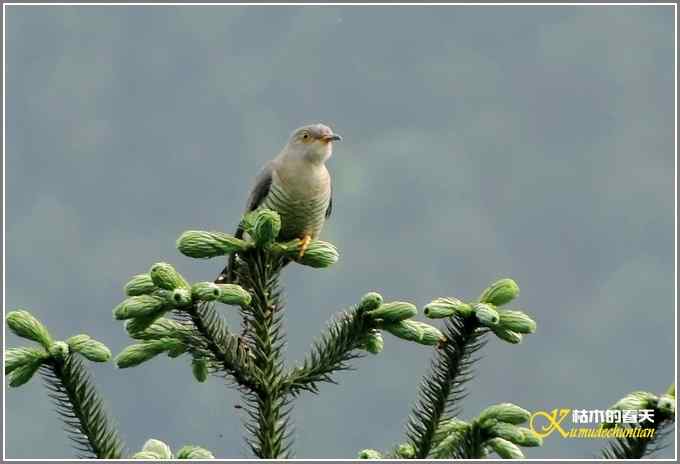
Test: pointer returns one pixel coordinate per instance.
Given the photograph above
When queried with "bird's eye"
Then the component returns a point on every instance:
(305, 136)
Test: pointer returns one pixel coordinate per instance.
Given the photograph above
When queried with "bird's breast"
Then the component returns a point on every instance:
(302, 204)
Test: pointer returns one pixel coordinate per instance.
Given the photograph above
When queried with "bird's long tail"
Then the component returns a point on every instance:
(227, 275)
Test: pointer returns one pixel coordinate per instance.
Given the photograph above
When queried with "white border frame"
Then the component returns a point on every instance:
(675, 185)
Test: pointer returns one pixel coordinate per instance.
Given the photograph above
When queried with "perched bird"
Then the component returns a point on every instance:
(297, 185)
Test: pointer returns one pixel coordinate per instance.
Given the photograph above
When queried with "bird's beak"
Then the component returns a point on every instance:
(332, 138)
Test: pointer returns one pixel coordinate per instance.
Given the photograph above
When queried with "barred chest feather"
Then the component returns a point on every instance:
(302, 204)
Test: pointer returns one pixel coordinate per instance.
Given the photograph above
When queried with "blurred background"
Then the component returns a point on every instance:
(479, 142)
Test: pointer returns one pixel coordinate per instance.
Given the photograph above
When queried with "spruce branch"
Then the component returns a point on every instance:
(67, 381)
(267, 407)
(465, 329)
(81, 408)
(358, 329)
(212, 340)
(201, 330)
(466, 445)
(638, 447)
(255, 359)
(442, 389)
(346, 334)
(496, 429)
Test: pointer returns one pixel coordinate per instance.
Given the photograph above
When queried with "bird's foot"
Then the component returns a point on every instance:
(304, 245)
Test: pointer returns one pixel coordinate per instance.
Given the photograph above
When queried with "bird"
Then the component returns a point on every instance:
(297, 185)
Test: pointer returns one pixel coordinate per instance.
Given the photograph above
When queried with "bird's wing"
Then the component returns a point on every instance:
(263, 183)
(329, 210)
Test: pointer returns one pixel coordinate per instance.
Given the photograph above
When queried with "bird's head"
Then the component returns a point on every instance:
(313, 143)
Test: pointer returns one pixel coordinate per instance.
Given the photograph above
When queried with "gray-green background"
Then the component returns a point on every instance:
(480, 142)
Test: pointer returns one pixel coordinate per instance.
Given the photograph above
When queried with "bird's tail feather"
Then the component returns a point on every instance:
(227, 275)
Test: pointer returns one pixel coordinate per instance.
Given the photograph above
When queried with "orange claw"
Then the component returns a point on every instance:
(306, 239)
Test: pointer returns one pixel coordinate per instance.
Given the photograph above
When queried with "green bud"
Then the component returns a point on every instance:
(415, 331)
(290, 248)
(194, 452)
(369, 454)
(393, 312)
(165, 295)
(165, 276)
(446, 307)
(406, 451)
(446, 446)
(486, 314)
(77, 341)
(434, 310)
(503, 412)
(448, 427)
(490, 422)
(205, 291)
(516, 321)
(248, 221)
(369, 302)
(232, 294)
(266, 226)
(500, 292)
(199, 367)
(666, 405)
(161, 328)
(405, 330)
(319, 254)
(671, 390)
(177, 350)
(505, 449)
(517, 435)
(158, 448)
(138, 306)
(134, 355)
(637, 400)
(146, 455)
(141, 323)
(59, 350)
(374, 343)
(430, 335)
(203, 244)
(23, 373)
(17, 357)
(181, 297)
(507, 335)
(23, 324)
(141, 284)
(91, 349)
(530, 438)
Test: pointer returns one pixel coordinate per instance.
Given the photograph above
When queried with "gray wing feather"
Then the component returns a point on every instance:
(263, 183)
(329, 210)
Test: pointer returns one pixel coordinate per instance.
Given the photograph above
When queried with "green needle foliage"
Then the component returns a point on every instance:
(166, 314)
(346, 334)
(211, 340)
(81, 408)
(68, 383)
(465, 329)
(442, 389)
(267, 406)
